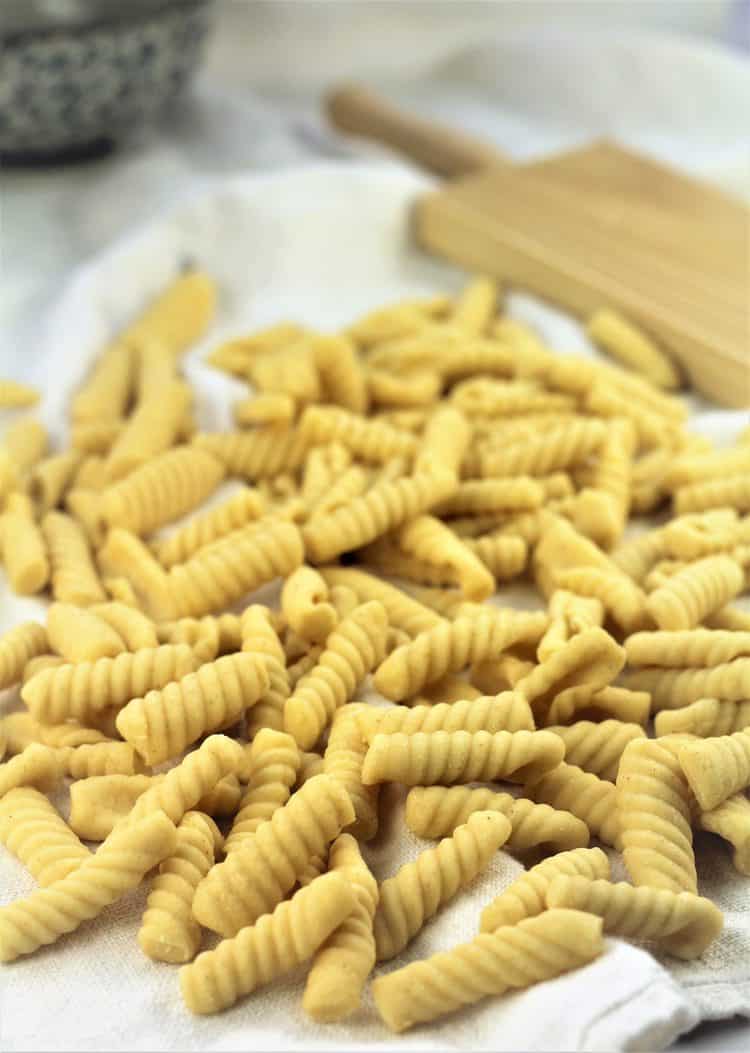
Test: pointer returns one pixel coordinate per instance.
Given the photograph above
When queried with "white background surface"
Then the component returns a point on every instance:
(537, 90)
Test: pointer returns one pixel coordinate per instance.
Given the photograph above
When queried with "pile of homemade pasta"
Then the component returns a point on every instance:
(391, 479)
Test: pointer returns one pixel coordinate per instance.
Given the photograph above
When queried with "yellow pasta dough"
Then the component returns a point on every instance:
(705, 718)
(591, 799)
(304, 602)
(244, 506)
(731, 820)
(403, 611)
(597, 747)
(505, 712)
(369, 440)
(37, 766)
(14, 395)
(674, 688)
(688, 596)
(24, 551)
(716, 767)
(427, 538)
(259, 454)
(34, 831)
(259, 637)
(79, 635)
(341, 373)
(17, 647)
(343, 760)
(134, 629)
(632, 347)
(274, 762)
(99, 758)
(74, 576)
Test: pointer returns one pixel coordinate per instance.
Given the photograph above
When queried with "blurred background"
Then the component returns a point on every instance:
(110, 110)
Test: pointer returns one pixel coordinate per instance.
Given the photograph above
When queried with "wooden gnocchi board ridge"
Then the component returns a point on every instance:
(598, 226)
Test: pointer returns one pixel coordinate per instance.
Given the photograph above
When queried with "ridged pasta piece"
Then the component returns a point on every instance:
(275, 945)
(237, 511)
(706, 717)
(477, 496)
(504, 557)
(258, 454)
(26, 442)
(445, 757)
(19, 731)
(731, 820)
(85, 508)
(161, 490)
(95, 436)
(85, 689)
(151, 428)
(629, 345)
(451, 646)
(504, 712)
(39, 662)
(500, 399)
(699, 648)
(69, 734)
(304, 601)
(233, 566)
(674, 688)
(341, 373)
(369, 440)
(311, 764)
(274, 762)
(636, 557)
(597, 747)
(17, 647)
(118, 866)
(415, 388)
(402, 319)
(178, 316)
(99, 758)
(134, 628)
(420, 888)
(74, 576)
(24, 552)
(260, 638)
(525, 897)
(185, 785)
(269, 408)
(343, 760)
(234, 356)
(37, 766)
(385, 506)
(694, 536)
(623, 599)
(589, 798)
(653, 812)
(403, 611)
(350, 484)
(342, 964)
(688, 596)
(256, 877)
(731, 491)
(35, 832)
(51, 477)
(323, 465)
(516, 956)
(435, 811)
(79, 635)
(716, 767)
(589, 661)
(168, 932)
(555, 449)
(682, 923)
(445, 441)
(476, 305)
(569, 614)
(166, 720)
(355, 647)
(694, 467)
(428, 539)
(14, 395)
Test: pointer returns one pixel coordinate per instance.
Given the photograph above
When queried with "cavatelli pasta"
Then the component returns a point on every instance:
(403, 611)
(106, 393)
(591, 799)
(731, 820)
(674, 688)
(427, 538)
(504, 557)
(419, 889)
(636, 557)
(684, 600)
(597, 747)
(261, 453)
(697, 648)
(505, 712)
(343, 760)
(14, 395)
(178, 316)
(304, 602)
(477, 496)
(37, 766)
(629, 345)
(716, 767)
(557, 448)
(17, 647)
(237, 511)
(569, 614)
(49, 479)
(255, 877)
(25, 441)
(152, 428)
(274, 762)
(34, 831)
(369, 440)
(621, 597)
(705, 717)
(134, 628)
(341, 374)
(259, 638)
(704, 534)
(732, 491)
(24, 552)
(79, 635)
(73, 574)
(165, 721)
(99, 758)
(445, 441)
(168, 932)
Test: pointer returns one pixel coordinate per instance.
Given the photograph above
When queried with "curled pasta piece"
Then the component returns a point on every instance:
(731, 820)
(445, 441)
(504, 557)
(476, 496)
(350, 484)
(151, 428)
(597, 747)
(342, 964)
(716, 767)
(505, 712)
(49, 479)
(355, 647)
(451, 646)
(343, 760)
(514, 956)
(24, 550)
(270, 408)
(591, 799)
(37, 766)
(732, 491)
(258, 454)
(705, 718)
(257, 875)
(168, 932)
(688, 596)
(695, 467)
(684, 924)
(403, 611)
(428, 539)
(636, 557)
(698, 648)
(74, 576)
(569, 614)
(654, 816)
(694, 536)
(118, 866)
(445, 757)
(165, 721)
(274, 762)
(99, 758)
(419, 889)
(272, 947)
(246, 505)
(304, 598)
(629, 345)
(17, 647)
(85, 689)
(34, 831)
(555, 449)
(369, 440)
(435, 811)
(79, 635)
(134, 628)
(343, 379)
(621, 598)
(674, 688)
(259, 638)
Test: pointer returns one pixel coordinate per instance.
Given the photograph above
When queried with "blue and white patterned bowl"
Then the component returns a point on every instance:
(76, 75)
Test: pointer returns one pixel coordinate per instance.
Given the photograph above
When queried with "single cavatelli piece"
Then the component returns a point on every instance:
(436, 811)
(445, 440)
(730, 491)
(343, 760)
(352, 650)
(591, 799)
(504, 557)
(106, 393)
(167, 720)
(526, 896)
(163, 489)
(17, 647)
(258, 637)
(633, 348)
(83, 690)
(304, 602)
(505, 712)
(653, 811)
(341, 966)
(685, 599)
(697, 648)
(342, 376)
(637, 556)
(731, 820)
(428, 539)
(706, 717)
(236, 512)
(683, 923)
(560, 447)
(569, 614)
(134, 628)
(257, 876)
(451, 646)
(168, 932)
(24, 548)
(716, 768)
(99, 758)
(597, 747)
(403, 612)
(79, 635)
(274, 762)
(34, 831)
(513, 957)
(419, 889)
(621, 597)
(257, 454)
(267, 950)
(369, 440)
(445, 757)
(233, 566)
(117, 867)
(37, 766)
(74, 576)
(675, 688)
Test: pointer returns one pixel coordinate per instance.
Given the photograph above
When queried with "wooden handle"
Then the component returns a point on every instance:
(355, 109)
